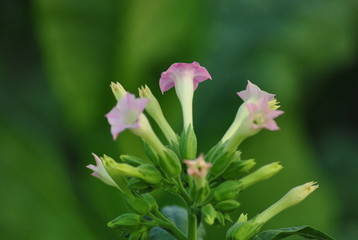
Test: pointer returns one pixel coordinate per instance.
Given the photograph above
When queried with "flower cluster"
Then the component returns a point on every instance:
(210, 183)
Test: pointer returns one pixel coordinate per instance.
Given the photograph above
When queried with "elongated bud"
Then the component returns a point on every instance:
(126, 222)
(237, 168)
(155, 111)
(118, 178)
(118, 90)
(146, 172)
(250, 228)
(293, 197)
(188, 144)
(261, 174)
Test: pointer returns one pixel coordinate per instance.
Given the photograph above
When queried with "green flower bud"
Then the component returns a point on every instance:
(118, 90)
(188, 144)
(221, 163)
(154, 110)
(149, 173)
(242, 229)
(227, 205)
(142, 204)
(237, 168)
(293, 197)
(261, 174)
(126, 222)
(246, 230)
(227, 190)
(209, 214)
(170, 164)
(117, 177)
(146, 172)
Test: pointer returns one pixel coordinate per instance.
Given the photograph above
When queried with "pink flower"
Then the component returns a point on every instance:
(177, 72)
(253, 92)
(100, 172)
(185, 77)
(262, 115)
(126, 114)
(198, 168)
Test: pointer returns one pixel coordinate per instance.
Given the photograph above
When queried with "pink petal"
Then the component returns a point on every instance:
(178, 70)
(126, 114)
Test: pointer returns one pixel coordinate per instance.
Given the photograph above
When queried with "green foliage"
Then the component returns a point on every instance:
(304, 231)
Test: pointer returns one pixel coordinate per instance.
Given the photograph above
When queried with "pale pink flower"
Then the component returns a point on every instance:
(100, 172)
(198, 168)
(179, 71)
(253, 92)
(262, 115)
(126, 114)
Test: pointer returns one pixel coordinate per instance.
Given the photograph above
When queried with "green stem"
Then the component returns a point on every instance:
(192, 225)
(183, 193)
(168, 225)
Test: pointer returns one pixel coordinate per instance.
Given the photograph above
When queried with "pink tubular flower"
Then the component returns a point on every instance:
(198, 168)
(253, 92)
(262, 116)
(179, 71)
(185, 77)
(126, 114)
(100, 172)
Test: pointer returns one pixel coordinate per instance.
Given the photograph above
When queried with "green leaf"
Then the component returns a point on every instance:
(303, 231)
(179, 216)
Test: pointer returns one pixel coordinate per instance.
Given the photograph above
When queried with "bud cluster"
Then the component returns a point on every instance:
(211, 183)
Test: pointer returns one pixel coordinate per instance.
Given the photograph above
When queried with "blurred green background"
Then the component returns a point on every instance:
(57, 58)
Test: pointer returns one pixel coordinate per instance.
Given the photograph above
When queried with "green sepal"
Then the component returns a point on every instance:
(220, 164)
(171, 164)
(140, 186)
(188, 144)
(238, 168)
(199, 190)
(150, 153)
(303, 231)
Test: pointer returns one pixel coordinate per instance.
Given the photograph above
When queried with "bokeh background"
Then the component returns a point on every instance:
(58, 57)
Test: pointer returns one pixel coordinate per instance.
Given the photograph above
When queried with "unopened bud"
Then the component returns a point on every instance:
(227, 205)
(293, 197)
(126, 222)
(118, 90)
(209, 214)
(261, 174)
(237, 168)
(170, 163)
(154, 110)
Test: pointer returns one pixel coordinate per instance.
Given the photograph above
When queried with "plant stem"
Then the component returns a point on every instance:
(183, 192)
(168, 225)
(192, 225)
